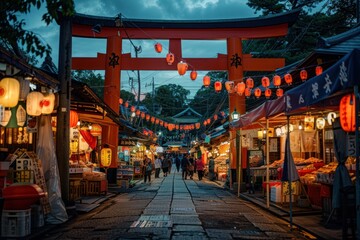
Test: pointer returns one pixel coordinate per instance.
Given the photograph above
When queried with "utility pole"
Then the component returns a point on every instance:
(153, 95)
(138, 50)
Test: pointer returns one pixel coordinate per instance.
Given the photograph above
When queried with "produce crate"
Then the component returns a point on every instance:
(16, 223)
(74, 189)
(96, 187)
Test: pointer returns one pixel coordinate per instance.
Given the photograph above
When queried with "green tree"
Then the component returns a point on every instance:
(22, 42)
(127, 96)
(208, 102)
(168, 100)
(93, 80)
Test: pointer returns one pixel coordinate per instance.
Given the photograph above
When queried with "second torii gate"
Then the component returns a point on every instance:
(114, 30)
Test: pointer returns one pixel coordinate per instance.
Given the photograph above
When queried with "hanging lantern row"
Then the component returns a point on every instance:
(245, 88)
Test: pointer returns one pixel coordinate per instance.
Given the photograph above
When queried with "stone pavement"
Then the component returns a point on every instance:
(172, 208)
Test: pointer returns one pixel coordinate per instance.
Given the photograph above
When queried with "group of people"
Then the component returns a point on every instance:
(187, 163)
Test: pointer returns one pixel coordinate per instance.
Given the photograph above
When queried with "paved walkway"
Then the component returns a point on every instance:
(172, 208)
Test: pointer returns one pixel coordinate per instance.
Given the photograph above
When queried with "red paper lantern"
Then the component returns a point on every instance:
(142, 115)
(277, 81)
(157, 121)
(217, 86)
(265, 82)
(318, 70)
(257, 92)
(170, 58)
(250, 83)
(158, 47)
(206, 81)
(193, 75)
(121, 101)
(137, 112)
(95, 130)
(215, 117)
(147, 117)
(132, 109)
(247, 92)
(268, 93)
(288, 78)
(240, 88)
(152, 119)
(279, 92)
(303, 75)
(74, 118)
(182, 67)
(126, 104)
(347, 113)
(197, 125)
(229, 85)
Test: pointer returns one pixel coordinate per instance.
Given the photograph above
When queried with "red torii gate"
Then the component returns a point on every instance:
(231, 30)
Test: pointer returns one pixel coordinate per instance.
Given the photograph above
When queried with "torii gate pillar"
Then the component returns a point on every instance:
(111, 92)
(235, 73)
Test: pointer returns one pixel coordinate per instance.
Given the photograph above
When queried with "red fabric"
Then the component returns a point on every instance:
(90, 139)
(313, 193)
(200, 164)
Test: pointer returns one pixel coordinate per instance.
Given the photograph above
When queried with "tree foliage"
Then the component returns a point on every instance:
(127, 96)
(206, 101)
(93, 80)
(12, 32)
(168, 100)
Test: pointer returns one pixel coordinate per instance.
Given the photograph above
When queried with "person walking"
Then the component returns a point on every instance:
(157, 166)
(191, 167)
(170, 163)
(147, 166)
(177, 163)
(200, 168)
(165, 165)
(184, 167)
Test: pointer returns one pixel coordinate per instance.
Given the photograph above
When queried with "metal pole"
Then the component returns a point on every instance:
(239, 162)
(267, 165)
(289, 172)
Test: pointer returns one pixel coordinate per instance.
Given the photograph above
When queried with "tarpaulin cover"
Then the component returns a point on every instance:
(45, 150)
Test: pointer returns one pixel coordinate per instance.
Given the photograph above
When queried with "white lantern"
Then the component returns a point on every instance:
(5, 117)
(48, 103)
(320, 123)
(34, 102)
(331, 117)
(9, 92)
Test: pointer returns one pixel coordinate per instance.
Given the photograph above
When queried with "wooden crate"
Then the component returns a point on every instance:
(96, 187)
(74, 189)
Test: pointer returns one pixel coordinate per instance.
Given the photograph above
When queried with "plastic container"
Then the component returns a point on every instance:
(16, 223)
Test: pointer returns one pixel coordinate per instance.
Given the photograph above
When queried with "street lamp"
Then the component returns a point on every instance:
(235, 115)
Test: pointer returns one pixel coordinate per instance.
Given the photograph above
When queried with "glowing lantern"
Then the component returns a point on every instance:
(121, 101)
(74, 118)
(240, 88)
(34, 103)
(147, 117)
(197, 125)
(303, 75)
(48, 103)
(126, 104)
(157, 121)
(182, 67)
(95, 130)
(229, 85)
(158, 47)
(9, 92)
(166, 124)
(279, 92)
(206, 81)
(247, 92)
(137, 112)
(132, 109)
(320, 123)
(331, 117)
(265, 82)
(152, 119)
(277, 80)
(268, 93)
(106, 157)
(193, 75)
(318, 70)
(347, 113)
(170, 58)
(288, 78)
(215, 117)
(250, 83)
(142, 115)
(257, 92)
(217, 86)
